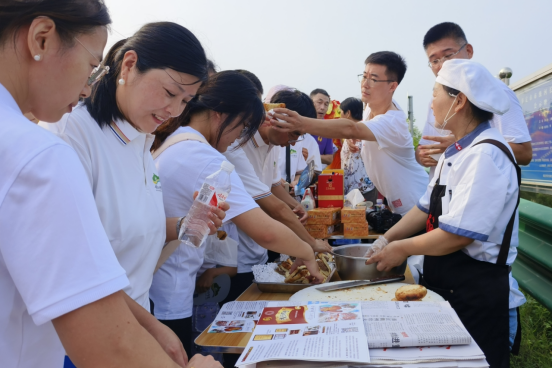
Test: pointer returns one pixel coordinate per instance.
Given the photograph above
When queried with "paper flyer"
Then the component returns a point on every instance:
(311, 331)
(237, 317)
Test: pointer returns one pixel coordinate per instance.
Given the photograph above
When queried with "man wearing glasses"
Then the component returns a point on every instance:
(447, 41)
(388, 153)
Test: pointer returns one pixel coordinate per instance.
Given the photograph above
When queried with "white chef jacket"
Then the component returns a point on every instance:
(297, 162)
(511, 125)
(184, 167)
(54, 254)
(390, 161)
(481, 195)
(127, 191)
(262, 159)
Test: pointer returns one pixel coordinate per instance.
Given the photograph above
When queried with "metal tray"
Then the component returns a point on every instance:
(282, 287)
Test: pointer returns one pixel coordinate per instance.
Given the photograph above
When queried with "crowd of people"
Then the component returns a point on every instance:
(90, 197)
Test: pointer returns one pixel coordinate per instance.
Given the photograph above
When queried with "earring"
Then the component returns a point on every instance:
(37, 57)
(121, 81)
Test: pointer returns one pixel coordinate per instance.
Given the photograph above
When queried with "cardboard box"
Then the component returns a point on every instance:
(355, 230)
(331, 190)
(353, 215)
(323, 216)
(324, 231)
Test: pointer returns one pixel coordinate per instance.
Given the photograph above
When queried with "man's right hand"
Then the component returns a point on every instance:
(439, 147)
(200, 361)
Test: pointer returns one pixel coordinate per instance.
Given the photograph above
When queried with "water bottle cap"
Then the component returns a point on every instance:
(227, 166)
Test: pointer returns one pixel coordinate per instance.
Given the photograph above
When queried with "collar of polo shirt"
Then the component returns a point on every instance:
(124, 131)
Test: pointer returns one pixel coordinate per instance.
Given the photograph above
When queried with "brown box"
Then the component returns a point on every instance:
(323, 216)
(353, 215)
(355, 230)
(320, 231)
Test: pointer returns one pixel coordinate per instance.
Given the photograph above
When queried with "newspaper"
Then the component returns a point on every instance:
(406, 324)
(237, 317)
(323, 332)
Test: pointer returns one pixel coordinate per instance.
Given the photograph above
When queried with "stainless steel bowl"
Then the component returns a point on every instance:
(350, 264)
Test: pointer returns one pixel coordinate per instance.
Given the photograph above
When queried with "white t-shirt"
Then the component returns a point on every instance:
(255, 158)
(390, 161)
(184, 167)
(511, 125)
(297, 162)
(481, 184)
(127, 191)
(313, 153)
(54, 254)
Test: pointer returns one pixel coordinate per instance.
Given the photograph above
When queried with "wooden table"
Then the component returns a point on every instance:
(235, 343)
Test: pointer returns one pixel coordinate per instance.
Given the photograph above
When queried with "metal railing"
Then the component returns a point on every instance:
(532, 268)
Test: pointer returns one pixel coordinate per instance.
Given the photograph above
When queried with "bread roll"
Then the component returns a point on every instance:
(411, 293)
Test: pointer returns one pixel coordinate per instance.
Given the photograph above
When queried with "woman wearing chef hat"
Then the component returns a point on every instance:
(469, 210)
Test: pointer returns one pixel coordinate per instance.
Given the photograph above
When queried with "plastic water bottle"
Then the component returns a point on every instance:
(308, 202)
(379, 205)
(214, 192)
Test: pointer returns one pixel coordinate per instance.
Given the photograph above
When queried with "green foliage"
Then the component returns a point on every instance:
(417, 135)
(539, 198)
(535, 347)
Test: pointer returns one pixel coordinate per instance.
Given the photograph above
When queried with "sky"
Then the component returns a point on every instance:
(310, 44)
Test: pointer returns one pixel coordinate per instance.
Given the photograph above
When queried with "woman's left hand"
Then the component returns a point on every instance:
(391, 256)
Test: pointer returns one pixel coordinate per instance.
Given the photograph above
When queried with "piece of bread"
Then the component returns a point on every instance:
(270, 106)
(411, 293)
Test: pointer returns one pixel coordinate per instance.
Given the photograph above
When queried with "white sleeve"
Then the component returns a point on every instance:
(57, 251)
(255, 188)
(512, 124)
(391, 134)
(477, 198)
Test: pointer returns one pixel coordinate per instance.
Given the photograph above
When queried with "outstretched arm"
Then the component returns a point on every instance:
(334, 128)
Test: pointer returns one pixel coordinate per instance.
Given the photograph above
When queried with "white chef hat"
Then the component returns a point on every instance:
(477, 83)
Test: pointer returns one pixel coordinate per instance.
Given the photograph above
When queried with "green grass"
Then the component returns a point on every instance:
(535, 347)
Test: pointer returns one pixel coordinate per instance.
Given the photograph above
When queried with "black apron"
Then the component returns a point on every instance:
(477, 290)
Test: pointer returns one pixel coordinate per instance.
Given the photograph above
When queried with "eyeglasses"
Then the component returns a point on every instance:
(372, 81)
(434, 63)
(298, 139)
(98, 72)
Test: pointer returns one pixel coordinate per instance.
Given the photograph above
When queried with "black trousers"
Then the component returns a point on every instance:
(183, 329)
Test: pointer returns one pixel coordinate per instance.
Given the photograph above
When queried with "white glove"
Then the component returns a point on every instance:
(377, 246)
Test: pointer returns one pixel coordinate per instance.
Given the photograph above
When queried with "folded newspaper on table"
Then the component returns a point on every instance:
(405, 324)
(323, 332)
(237, 317)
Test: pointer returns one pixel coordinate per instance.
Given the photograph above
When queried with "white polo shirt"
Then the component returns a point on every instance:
(481, 184)
(297, 162)
(390, 161)
(511, 125)
(127, 191)
(54, 254)
(184, 167)
(255, 158)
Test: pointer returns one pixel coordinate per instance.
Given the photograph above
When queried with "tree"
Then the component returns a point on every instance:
(417, 135)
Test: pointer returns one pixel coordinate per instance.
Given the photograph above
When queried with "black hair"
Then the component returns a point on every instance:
(72, 17)
(478, 114)
(316, 91)
(444, 30)
(161, 45)
(227, 92)
(252, 77)
(211, 67)
(394, 63)
(354, 106)
(296, 101)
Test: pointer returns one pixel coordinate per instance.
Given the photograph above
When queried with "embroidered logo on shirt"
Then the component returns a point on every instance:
(458, 146)
(293, 151)
(397, 203)
(157, 183)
